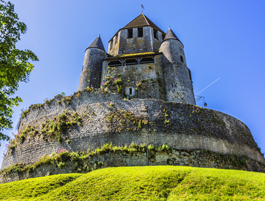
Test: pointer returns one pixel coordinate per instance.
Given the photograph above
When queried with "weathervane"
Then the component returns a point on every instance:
(142, 8)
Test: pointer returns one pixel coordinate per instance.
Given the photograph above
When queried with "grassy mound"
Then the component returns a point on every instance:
(141, 183)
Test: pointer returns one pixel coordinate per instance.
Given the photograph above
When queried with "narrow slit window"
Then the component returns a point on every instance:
(130, 33)
(116, 39)
(189, 74)
(155, 34)
(130, 91)
(140, 32)
(110, 45)
(181, 58)
(163, 36)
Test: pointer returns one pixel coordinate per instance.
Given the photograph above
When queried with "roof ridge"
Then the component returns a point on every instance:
(146, 19)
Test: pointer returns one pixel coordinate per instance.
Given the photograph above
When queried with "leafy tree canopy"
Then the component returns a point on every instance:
(14, 63)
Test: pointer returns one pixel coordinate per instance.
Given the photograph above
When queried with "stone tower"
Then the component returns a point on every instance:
(146, 97)
(178, 82)
(92, 66)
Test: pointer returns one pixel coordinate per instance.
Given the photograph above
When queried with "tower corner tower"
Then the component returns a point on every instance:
(92, 66)
(178, 81)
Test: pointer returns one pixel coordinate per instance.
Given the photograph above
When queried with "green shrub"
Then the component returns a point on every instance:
(61, 164)
(74, 156)
(151, 147)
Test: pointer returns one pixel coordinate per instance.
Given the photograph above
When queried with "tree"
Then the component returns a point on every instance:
(14, 63)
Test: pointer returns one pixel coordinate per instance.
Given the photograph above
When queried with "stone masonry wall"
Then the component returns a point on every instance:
(180, 126)
(150, 75)
(194, 158)
(136, 44)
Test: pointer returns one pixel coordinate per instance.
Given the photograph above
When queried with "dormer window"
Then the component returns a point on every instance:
(140, 32)
(155, 34)
(130, 33)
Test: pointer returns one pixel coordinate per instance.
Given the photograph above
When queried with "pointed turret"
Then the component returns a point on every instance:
(170, 35)
(178, 81)
(97, 43)
(92, 67)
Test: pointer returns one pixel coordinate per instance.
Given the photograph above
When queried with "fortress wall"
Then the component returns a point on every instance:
(78, 101)
(31, 151)
(190, 127)
(194, 158)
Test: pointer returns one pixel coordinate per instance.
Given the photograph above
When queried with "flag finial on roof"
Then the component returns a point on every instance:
(142, 8)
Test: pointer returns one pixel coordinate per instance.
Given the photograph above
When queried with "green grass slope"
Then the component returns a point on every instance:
(141, 183)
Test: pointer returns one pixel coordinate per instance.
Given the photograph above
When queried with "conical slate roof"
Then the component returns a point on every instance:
(142, 21)
(97, 43)
(170, 35)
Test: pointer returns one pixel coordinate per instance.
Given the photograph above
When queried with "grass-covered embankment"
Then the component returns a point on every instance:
(141, 183)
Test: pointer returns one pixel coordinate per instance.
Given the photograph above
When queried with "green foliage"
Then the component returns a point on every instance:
(140, 123)
(61, 164)
(166, 121)
(164, 148)
(67, 99)
(49, 129)
(14, 63)
(141, 183)
(47, 101)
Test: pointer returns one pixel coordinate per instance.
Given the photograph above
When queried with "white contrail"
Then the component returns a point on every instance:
(208, 86)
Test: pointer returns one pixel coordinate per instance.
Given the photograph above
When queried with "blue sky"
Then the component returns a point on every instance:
(221, 38)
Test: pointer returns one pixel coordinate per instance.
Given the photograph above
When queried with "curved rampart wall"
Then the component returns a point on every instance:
(180, 126)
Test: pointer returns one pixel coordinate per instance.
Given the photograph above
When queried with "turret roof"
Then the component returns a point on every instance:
(170, 35)
(97, 43)
(142, 21)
